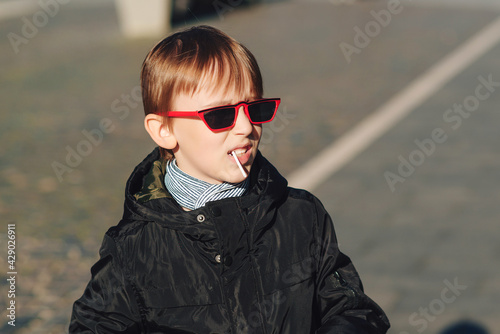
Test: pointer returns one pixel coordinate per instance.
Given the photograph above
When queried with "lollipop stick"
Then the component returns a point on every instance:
(243, 172)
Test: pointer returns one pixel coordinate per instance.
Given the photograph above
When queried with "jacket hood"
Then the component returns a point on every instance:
(147, 199)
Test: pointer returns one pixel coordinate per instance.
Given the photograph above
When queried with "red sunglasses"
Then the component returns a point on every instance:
(223, 117)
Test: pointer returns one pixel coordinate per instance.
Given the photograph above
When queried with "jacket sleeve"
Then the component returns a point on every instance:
(342, 304)
(108, 304)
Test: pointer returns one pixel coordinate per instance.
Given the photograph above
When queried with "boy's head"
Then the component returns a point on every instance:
(193, 70)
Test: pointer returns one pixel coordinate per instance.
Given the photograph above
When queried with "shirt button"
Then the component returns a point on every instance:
(200, 218)
(217, 258)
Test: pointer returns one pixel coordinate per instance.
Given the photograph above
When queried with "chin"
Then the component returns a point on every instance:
(236, 179)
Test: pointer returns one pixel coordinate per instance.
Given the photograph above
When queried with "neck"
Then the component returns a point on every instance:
(192, 193)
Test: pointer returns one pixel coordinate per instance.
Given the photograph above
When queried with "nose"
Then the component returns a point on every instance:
(242, 124)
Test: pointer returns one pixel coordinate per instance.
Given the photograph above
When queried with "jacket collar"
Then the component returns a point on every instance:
(147, 199)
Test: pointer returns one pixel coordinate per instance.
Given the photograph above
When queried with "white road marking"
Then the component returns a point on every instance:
(343, 150)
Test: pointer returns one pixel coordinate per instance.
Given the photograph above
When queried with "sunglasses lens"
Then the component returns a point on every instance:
(219, 118)
(262, 112)
(222, 118)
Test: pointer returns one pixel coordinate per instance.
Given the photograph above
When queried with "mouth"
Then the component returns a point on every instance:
(243, 154)
(240, 151)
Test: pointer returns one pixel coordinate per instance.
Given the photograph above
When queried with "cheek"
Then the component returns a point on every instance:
(188, 131)
(257, 131)
(196, 138)
(207, 145)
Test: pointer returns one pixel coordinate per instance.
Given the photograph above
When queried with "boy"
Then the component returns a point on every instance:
(212, 240)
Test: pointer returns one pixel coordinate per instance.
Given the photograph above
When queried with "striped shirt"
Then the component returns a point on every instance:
(192, 193)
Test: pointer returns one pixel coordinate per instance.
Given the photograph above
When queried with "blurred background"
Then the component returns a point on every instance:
(424, 239)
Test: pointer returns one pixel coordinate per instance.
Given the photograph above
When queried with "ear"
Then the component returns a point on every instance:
(159, 132)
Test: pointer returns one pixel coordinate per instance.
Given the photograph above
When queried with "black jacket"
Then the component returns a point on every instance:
(266, 262)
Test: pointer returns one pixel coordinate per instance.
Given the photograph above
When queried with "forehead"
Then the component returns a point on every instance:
(214, 89)
(225, 91)
(208, 97)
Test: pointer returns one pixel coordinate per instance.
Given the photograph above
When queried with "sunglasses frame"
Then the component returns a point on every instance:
(201, 113)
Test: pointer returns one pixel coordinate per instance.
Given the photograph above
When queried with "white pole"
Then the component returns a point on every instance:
(144, 18)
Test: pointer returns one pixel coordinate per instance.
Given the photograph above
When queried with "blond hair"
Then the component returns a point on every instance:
(184, 61)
